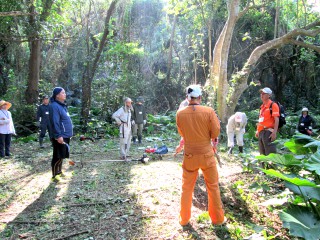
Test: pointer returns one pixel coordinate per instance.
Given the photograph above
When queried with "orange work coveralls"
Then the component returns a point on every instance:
(198, 125)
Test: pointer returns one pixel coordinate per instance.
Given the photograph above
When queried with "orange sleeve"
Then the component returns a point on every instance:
(215, 125)
(275, 110)
(177, 122)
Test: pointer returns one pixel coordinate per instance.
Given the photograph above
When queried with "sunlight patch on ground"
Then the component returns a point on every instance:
(22, 198)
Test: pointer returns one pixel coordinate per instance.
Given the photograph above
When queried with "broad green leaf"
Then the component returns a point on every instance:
(296, 148)
(313, 163)
(285, 160)
(311, 192)
(313, 144)
(312, 167)
(303, 138)
(295, 180)
(301, 222)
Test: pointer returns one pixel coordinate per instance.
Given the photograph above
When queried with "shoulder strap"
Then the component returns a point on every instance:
(271, 108)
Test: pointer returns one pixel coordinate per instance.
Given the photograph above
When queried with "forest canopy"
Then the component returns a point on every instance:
(101, 51)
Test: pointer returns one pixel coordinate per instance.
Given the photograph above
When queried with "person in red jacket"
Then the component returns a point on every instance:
(199, 126)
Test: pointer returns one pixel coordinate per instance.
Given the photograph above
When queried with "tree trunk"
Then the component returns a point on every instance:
(240, 78)
(34, 72)
(276, 20)
(32, 92)
(169, 65)
(90, 71)
(218, 78)
(227, 96)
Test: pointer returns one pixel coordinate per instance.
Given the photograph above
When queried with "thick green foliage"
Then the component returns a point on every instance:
(301, 222)
(301, 174)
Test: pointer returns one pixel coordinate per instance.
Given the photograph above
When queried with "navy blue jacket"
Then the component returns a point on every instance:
(60, 120)
(43, 113)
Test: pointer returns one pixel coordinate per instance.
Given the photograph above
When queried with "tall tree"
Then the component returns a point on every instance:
(32, 92)
(90, 69)
(228, 91)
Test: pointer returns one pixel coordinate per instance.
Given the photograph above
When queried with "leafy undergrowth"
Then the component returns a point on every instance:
(100, 199)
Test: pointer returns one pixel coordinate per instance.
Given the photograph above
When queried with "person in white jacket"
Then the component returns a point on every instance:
(6, 128)
(236, 126)
(123, 119)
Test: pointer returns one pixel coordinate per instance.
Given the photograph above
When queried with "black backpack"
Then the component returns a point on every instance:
(282, 117)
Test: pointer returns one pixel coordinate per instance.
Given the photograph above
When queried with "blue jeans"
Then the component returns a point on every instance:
(5, 142)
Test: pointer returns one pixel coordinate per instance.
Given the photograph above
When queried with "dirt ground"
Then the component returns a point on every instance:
(99, 199)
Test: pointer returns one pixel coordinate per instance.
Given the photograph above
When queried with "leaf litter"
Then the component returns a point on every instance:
(118, 200)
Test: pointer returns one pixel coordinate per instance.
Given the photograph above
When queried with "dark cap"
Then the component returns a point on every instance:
(56, 91)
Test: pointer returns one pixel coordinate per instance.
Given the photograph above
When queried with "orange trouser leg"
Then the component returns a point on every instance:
(189, 178)
(215, 209)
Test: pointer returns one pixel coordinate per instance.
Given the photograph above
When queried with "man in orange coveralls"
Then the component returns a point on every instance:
(199, 125)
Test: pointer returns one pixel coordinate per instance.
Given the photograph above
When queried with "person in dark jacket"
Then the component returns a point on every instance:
(140, 119)
(306, 122)
(43, 119)
(62, 130)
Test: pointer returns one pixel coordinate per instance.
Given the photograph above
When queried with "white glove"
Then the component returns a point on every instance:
(144, 122)
(133, 122)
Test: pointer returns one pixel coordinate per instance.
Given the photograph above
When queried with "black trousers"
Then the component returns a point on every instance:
(43, 129)
(5, 142)
(60, 151)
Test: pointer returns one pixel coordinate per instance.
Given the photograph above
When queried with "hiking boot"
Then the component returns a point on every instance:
(241, 149)
(225, 220)
(41, 142)
(230, 150)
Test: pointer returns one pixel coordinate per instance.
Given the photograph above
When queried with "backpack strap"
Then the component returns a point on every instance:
(270, 108)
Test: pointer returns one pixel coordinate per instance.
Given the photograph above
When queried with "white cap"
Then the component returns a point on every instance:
(238, 117)
(127, 99)
(266, 90)
(305, 109)
(194, 91)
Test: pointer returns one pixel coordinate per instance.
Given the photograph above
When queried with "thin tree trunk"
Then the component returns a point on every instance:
(169, 65)
(89, 73)
(276, 20)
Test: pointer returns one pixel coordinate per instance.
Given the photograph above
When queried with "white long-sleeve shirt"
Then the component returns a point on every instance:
(6, 122)
(234, 125)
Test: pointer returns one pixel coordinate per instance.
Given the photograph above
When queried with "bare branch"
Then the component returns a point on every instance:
(306, 45)
(16, 13)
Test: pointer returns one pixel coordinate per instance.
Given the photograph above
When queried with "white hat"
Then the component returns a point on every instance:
(127, 99)
(194, 91)
(266, 90)
(305, 109)
(238, 117)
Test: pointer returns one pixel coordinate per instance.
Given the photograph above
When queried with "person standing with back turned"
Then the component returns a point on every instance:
(199, 126)
(62, 130)
(267, 127)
